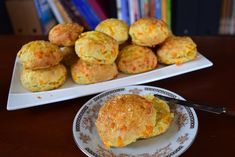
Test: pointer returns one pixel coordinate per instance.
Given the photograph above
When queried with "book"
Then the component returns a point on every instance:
(55, 11)
(119, 9)
(74, 14)
(223, 18)
(232, 26)
(168, 13)
(46, 17)
(164, 10)
(87, 12)
(134, 13)
(158, 9)
(144, 8)
(59, 11)
(98, 10)
(152, 8)
(123, 10)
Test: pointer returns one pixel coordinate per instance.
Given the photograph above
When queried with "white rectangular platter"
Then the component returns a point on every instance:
(19, 97)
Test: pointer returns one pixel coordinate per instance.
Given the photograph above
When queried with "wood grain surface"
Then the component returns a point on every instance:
(47, 130)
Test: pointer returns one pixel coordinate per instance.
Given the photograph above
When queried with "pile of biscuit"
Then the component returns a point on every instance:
(99, 55)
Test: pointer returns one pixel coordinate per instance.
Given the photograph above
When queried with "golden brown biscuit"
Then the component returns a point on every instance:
(115, 28)
(136, 59)
(177, 50)
(65, 34)
(39, 54)
(86, 73)
(124, 119)
(43, 79)
(97, 47)
(69, 55)
(148, 32)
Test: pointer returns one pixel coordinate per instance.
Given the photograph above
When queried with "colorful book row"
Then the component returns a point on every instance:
(131, 10)
(86, 12)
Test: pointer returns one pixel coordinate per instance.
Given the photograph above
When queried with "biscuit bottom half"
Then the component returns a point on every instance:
(43, 79)
(84, 72)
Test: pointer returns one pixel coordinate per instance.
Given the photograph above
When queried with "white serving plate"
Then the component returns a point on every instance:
(176, 140)
(19, 97)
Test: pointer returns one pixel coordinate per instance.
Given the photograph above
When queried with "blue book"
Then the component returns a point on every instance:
(45, 14)
(125, 11)
(158, 9)
(87, 12)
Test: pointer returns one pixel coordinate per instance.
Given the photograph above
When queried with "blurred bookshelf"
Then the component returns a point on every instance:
(184, 17)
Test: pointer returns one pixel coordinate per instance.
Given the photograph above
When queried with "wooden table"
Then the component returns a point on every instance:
(47, 130)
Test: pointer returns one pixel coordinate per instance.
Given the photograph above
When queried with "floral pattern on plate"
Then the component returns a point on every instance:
(174, 142)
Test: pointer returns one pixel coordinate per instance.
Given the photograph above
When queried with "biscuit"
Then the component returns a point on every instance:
(148, 32)
(86, 73)
(39, 54)
(97, 47)
(43, 79)
(177, 50)
(164, 117)
(115, 28)
(136, 59)
(69, 56)
(65, 34)
(125, 118)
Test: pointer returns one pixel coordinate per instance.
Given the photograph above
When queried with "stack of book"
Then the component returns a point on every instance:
(227, 19)
(131, 10)
(90, 13)
(85, 12)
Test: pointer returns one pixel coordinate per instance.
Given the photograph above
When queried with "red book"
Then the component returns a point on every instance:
(96, 7)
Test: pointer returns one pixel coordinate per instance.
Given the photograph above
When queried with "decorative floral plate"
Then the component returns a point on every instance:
(174, 142)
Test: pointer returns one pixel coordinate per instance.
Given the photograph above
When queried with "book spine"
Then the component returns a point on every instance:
(168, 13)
(152, 8)
(144, 6)
(136, 10)
(46, 18)
(233, 19)
(223, 18)
(133, 10)
(74, 14)
(163, 10)
(55, 11)
(125, 11)
(119, 9)
(79, 6)
(92, 15)
(158, 9)
(62, 11)
(96, 7)
(87, 13)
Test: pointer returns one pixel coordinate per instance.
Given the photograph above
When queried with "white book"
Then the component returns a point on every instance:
(119, 9)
